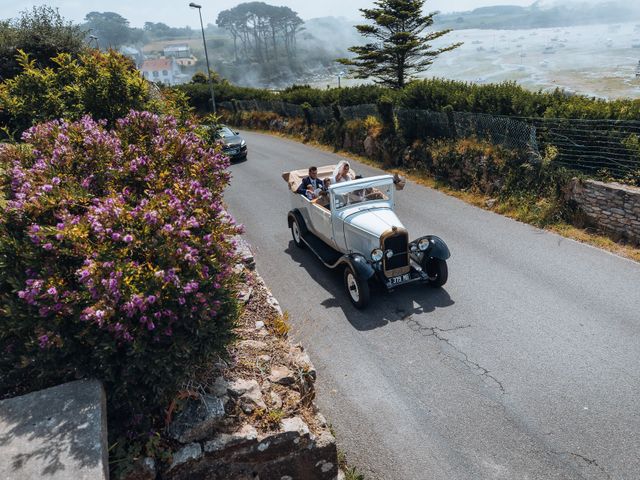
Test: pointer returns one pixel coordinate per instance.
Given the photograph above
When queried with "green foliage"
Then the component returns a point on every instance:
(199, 96)
(396, 50)
(199, 78)
(111, 28)
(43, 34)
(163, 31)
(116, 260)
(510, 99)
(104, 85)
(506, 98)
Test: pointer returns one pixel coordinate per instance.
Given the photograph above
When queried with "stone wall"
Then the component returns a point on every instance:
(257, 419)
(610, 207)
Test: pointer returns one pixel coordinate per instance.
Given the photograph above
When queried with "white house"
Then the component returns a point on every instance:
(164, 70)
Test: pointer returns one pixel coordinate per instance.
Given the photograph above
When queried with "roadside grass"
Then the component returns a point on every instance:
(530, 210)
(350, 473)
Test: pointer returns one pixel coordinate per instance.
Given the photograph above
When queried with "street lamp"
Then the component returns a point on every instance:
(206, 55)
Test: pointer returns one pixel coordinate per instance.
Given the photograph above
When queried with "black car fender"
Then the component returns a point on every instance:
(436, 249)
(358, 264)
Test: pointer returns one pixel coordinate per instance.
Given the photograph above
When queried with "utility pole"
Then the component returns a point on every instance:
(206, 56)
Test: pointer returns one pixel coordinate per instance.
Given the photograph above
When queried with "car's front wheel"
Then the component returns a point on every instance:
(437, 271)
(296, 233)
(357, 288)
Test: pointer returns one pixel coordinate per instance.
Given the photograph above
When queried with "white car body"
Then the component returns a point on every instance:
(354, 227)
(353, 224)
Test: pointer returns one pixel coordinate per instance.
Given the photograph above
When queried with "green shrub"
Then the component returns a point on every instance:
(43, 34)
(116, 259)
(104, 85)
(506, 98)
(199, 95)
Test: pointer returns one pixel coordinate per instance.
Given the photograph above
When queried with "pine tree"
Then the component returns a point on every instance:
(398, 49)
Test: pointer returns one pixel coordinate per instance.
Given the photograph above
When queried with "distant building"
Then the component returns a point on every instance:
(638, 70)
(187, 62)
(181, 54)
(164, 70)
(177, 51)
(132, 53)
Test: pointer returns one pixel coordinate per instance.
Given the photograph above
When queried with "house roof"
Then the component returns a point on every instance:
(157, 64)
(176, 48)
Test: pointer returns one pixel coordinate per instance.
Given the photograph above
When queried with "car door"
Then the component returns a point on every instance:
(321, 220)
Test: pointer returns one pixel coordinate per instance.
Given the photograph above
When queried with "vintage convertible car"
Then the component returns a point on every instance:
(353, 226)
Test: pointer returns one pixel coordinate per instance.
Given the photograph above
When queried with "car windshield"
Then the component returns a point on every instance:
(225, 132)
(364, 194)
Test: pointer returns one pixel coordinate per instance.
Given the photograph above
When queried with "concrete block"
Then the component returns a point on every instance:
(58, 434)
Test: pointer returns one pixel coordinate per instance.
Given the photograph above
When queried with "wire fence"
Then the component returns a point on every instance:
(602, 147)
(610, 147)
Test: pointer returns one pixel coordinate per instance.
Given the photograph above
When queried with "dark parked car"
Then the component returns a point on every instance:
(233, 145)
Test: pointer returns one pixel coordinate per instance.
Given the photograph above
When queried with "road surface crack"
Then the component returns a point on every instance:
(588, 461)
(437, 332)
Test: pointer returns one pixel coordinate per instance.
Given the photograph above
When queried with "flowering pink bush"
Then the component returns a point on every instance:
(116, 257)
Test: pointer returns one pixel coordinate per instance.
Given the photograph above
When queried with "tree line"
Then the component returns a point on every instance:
(261, 32)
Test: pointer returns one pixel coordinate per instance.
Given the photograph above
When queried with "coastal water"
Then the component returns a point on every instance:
(595, 60)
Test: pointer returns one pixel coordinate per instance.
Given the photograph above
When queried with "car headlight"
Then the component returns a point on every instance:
(389, 253)
(376, 255)
(243, 143)
(423, 244)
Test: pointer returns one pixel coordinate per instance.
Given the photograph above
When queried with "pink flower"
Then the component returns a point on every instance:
(128, 238)
(43, 341)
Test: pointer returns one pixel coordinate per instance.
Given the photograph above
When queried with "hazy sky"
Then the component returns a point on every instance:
(177, 13)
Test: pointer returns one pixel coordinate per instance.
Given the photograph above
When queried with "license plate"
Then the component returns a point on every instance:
(233, 151)
(399, 279)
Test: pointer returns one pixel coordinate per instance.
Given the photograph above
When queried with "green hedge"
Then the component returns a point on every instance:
(505, 98)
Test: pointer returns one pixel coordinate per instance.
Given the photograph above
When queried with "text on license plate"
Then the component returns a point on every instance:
(232, 151)
(399, 279)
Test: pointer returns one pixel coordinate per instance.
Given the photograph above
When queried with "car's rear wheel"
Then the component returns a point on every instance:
(357, 288)
(437, 271)
(296, 233)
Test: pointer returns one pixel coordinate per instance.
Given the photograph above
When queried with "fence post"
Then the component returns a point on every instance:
(448, 111)
(338, 130)
(308, 120)
(392, 146)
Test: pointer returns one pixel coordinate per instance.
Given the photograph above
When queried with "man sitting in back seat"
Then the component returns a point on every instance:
(311, 180)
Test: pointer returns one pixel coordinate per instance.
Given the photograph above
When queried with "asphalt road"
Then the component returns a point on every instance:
(524, 366)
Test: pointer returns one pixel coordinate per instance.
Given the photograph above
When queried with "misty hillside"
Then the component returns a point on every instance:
(543, 14)
(332, 35)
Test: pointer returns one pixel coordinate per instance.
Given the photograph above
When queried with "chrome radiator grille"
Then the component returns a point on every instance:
(398, 242)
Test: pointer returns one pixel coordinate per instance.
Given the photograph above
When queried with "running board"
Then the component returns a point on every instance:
(327, 255)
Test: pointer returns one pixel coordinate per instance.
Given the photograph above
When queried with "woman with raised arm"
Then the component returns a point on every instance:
(342, 173)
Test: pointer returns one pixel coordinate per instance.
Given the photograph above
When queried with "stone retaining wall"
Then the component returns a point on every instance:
(213, 445)
(610, 207)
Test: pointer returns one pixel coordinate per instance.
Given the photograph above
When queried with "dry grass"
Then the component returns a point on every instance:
(537, 213)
